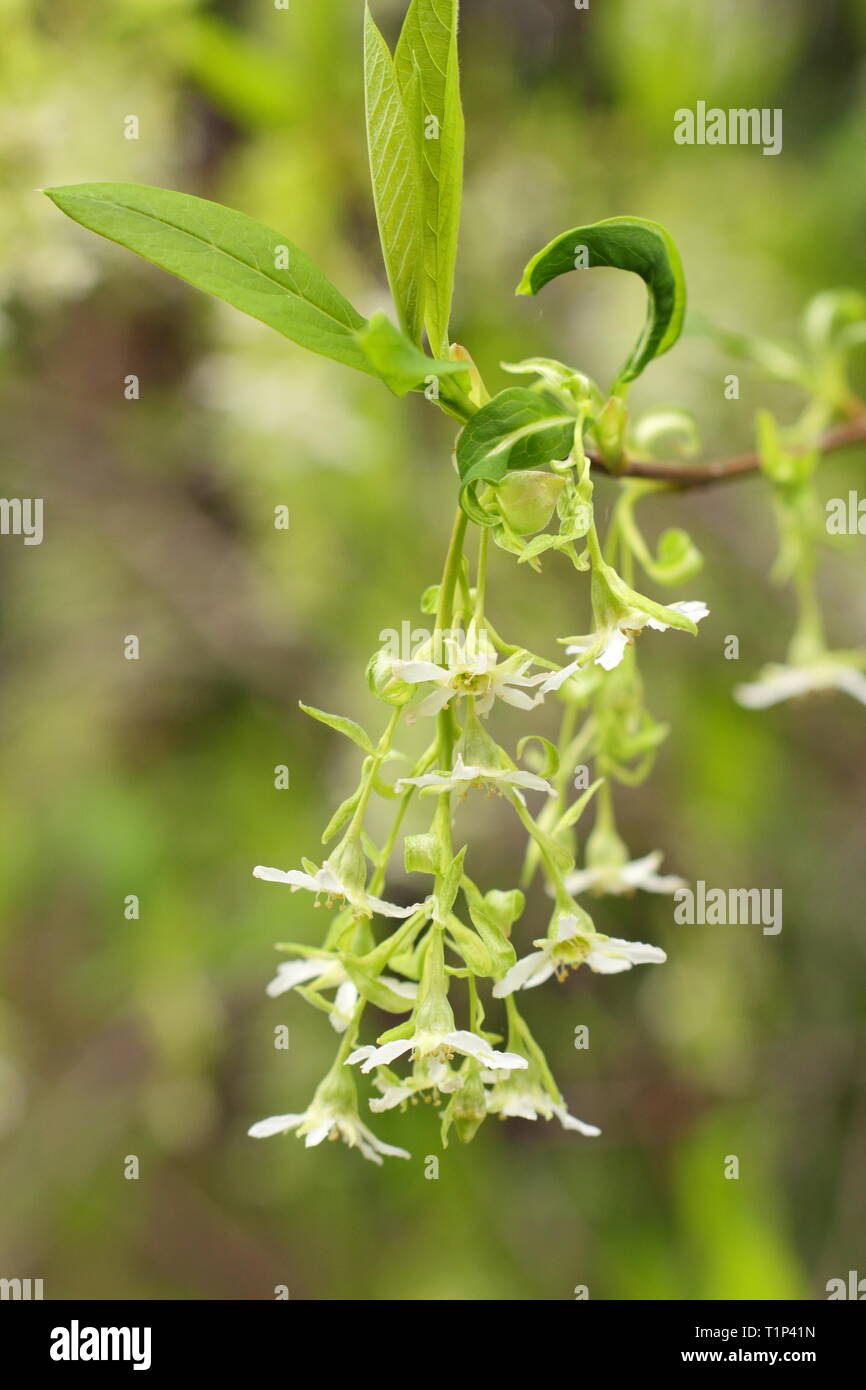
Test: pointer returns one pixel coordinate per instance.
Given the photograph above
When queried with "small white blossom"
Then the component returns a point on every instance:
(441, 1045)
(326, 881)
(463, 776)
(569, 948)
(473, 668)
(324, 1120)
(777, 683)
(522, 1098)
(429, 1074)
(607, 647)
(625, 878)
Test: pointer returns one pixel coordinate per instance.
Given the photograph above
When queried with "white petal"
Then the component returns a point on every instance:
(558, 678)
(640, 873)
(517, 1109)
(572, 1122)
(607, 965)
(436, 700)
(293, 876)
(582, 879)
(517, 698)
(615, 955)
(852, 682)
(382, 1056)
(419, 672)
(320, 1132)
(407, 988)
(695, 609)
(391, 909)
(296, 972)
(472, 1046)
(536, 963)
(274, 1124)
(344, 1006)
(387, 1149)
(566, 926)
(613, 650)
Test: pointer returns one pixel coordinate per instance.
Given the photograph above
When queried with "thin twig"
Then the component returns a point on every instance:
(720, 471)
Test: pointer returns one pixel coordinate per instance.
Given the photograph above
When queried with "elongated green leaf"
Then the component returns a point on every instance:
(227, 254)
(342, 725)
(626, 243)
(427, 66)
(395, 168)
(519, 428)
(401, 365)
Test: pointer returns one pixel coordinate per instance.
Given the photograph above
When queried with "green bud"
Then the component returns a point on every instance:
(467, 1108)
(527, 499)
(384, 684)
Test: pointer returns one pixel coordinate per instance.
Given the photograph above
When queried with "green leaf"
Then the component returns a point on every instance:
(427, 68)
(401, 365)
(626, 243)
(395, 168)
(342, 726)
(228, 255)
(520, 429)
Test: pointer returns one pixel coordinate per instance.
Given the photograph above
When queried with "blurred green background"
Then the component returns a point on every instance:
(154, 1037)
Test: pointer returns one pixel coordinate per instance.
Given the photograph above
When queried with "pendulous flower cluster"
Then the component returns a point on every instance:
(419, 962)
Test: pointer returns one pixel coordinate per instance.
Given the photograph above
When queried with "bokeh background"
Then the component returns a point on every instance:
(156, 777)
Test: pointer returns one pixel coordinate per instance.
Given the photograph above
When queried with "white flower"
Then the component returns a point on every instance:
(323, 1119)
(463, 776)
(625, 878)
(325, 971)
(326, 880)
(473, 669)
(441, 1045)
(569, 948)
(429, 1074)
(521, 1098)
(777, 683)
(607, 647)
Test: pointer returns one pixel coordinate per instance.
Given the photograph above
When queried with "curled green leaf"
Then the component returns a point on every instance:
(624, 243)
(518, 429)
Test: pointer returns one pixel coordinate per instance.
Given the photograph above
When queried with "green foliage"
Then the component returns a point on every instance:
(427, 67)
(395, 167)
(401, 365)
(626, 243)
(518, 429)
(228, 255)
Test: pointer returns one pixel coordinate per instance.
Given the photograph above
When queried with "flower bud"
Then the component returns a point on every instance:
(383, 682)
(527, 499)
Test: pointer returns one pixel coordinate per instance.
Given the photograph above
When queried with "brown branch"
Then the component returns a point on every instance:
(720, 471)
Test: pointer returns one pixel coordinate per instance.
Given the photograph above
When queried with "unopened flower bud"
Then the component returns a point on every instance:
(527, 499)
